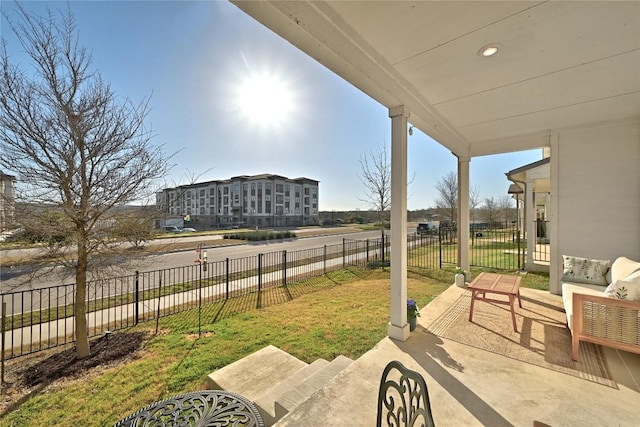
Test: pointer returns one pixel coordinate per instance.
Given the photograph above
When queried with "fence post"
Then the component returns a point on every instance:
(200, 299)
(367, 251)
(518, 243)
(383, 246)
(284, 267)
(344, 253)
(137, 298)
(159, 301)
(324, 260)
(440, 247)
(259, 273)
(2, 329)
(227, 279)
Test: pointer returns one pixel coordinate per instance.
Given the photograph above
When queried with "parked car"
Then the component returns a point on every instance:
(426, 228)
(171, 229)
(188, 230)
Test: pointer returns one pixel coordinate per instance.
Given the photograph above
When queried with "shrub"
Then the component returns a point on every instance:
(254, 236)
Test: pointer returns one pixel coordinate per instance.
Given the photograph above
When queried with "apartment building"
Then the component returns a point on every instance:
(259, 200)
(7, 200)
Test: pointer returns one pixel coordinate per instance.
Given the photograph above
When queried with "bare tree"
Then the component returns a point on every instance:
(375, 175)
(491, 211)
(474, 201)
(77, 150)
(136, 226)
(506, 208)
(447, 202)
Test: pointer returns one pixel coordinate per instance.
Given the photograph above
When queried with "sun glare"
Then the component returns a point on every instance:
(265, 100)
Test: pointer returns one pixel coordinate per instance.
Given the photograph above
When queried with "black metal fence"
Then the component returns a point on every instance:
(541, 246)
(38, 319)
(499, 248)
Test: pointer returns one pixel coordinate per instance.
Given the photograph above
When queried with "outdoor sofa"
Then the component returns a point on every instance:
(602, 307)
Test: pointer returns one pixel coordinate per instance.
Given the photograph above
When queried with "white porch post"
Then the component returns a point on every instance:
(555, 266)
(530, 223)
(398, 327)
(463, 212)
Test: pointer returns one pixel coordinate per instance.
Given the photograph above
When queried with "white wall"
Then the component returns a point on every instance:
(596, 203)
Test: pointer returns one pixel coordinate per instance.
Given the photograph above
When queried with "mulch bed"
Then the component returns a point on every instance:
(27, 374)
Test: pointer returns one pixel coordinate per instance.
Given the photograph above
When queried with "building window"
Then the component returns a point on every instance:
(306, 201)
(287, 190)
(225, 189)
(306, 191)
(279, 188)
(279, 199)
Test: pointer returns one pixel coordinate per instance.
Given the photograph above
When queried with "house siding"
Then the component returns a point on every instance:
(598, 199)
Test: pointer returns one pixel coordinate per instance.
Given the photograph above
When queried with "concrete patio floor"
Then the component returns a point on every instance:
(472, 387)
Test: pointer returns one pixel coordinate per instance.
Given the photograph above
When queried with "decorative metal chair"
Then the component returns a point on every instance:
(201, 408)
(404, 402)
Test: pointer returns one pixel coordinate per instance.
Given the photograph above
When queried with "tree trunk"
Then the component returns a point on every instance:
(82, 335)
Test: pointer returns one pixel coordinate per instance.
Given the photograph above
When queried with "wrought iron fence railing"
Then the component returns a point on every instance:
(38, 319)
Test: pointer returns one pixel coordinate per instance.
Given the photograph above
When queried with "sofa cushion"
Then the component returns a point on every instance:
(568, 289)
(622, 289)
(582, 270)
(623, 267)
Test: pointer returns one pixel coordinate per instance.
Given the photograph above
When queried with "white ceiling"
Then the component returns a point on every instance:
(561, 63)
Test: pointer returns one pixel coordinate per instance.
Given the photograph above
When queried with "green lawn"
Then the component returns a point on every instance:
(345, 313)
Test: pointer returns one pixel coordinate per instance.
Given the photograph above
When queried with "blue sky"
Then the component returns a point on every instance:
(196, 58)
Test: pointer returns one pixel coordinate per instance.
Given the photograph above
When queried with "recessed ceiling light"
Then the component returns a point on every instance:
(489, 50)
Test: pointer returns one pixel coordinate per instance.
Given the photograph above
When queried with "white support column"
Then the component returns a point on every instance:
(529, 222)
(398, 327)
(463, 213)
(555, 266)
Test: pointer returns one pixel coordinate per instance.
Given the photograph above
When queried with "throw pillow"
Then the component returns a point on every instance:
(582, 270)
(622, 289)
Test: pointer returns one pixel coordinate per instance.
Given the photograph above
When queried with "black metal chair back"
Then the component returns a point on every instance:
(403, 399)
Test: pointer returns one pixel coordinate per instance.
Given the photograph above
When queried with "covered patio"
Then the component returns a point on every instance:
(475, 387)
(484, 78)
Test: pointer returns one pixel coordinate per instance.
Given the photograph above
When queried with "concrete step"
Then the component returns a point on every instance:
(255, 373)
(360, 378)
(296, 395)
(267, 401)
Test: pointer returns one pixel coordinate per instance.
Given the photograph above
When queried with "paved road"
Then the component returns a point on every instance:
(22, 278)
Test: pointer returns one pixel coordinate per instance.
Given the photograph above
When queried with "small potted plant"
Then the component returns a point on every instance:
(460, 277)
(413, 312)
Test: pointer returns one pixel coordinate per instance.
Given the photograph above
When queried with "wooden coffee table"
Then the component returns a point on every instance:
(492, 283)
